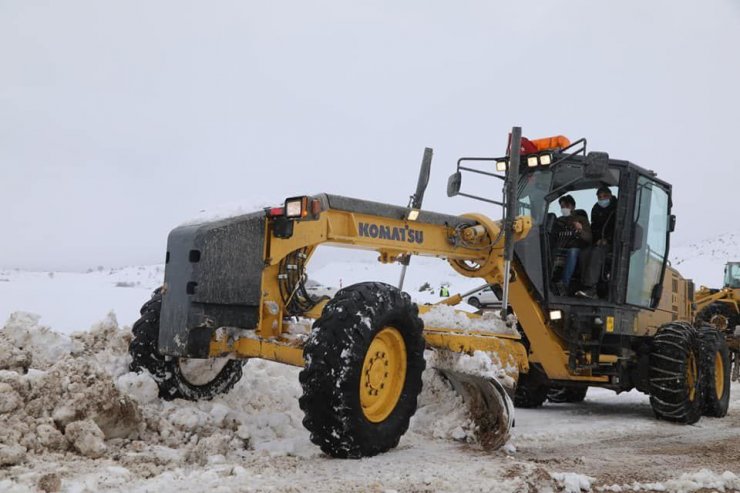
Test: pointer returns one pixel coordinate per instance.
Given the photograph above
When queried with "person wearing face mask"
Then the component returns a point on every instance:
(572, 233)
(603, 219)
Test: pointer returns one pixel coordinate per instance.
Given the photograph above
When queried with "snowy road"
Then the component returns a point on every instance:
(252, 439)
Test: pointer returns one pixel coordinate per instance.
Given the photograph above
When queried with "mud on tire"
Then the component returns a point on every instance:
(167, 371)
(716, 371)
(675, 375)
(336, 370)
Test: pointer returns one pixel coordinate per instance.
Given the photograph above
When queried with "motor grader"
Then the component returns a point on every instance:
(235, 289)
(721, 308)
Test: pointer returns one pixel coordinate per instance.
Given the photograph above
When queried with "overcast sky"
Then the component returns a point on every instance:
(119, 120)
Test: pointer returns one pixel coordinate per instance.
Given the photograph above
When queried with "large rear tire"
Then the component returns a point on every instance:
(172, 375)
(721, 315)
(676, 373)
(364, 360)
(716, 363)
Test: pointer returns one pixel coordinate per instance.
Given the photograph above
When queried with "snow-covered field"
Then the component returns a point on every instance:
(78, 421)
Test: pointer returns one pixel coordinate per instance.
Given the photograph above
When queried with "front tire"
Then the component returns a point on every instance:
(362, 376)
(474, 302)
(676, 373)
(716, 363)
(171, 374)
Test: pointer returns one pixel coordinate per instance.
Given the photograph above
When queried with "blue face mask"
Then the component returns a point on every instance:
(604, 203)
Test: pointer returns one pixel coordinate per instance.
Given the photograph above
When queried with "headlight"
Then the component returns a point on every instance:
(295, 207)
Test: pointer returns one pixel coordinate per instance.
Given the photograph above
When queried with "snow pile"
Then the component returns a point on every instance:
(703, 480)
(480, 363)
(441, 412)
(445, 316)
(572, 482)
(66, 401)
(75, 396)
(22, 334)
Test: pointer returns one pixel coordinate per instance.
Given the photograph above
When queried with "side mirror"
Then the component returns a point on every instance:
(597, 166)
(453, 184)
(672, 223)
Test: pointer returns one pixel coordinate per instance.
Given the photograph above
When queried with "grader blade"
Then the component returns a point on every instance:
(489, 405)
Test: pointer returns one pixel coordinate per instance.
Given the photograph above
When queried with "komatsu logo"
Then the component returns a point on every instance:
(388, 233)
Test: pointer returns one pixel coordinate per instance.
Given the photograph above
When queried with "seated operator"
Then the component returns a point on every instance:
(603, 219)
(571, 234)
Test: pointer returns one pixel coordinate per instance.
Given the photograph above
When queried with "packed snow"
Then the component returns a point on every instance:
(453, 318)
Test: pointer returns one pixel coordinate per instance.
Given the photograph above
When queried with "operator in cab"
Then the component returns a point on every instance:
(603, 220)
(572, 233)
(603, 217)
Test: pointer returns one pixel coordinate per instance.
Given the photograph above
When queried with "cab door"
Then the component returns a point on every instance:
(650, 230)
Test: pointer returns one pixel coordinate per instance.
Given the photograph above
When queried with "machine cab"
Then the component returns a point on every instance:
(732, 275)
(616, 232)
(597, 271)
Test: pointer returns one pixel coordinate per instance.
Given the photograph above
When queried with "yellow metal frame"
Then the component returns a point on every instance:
(704, 298)
(471, 255)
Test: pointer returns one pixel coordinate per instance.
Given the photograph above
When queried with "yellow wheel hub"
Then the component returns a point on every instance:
(383, 374)
(691, 376)
(719, 375)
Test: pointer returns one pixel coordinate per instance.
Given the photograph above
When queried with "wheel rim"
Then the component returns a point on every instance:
(691, 375)
(383, 374)
(719, 375)
(201, 371)
(720, 322)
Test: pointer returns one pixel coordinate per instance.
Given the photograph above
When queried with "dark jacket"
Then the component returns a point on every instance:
(565, 234)
(603, 220)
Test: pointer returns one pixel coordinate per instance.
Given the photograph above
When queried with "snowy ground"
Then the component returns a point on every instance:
(69, 301)
(84, 424)
(78, 421)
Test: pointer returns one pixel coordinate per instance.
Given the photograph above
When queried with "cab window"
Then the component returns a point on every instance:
(732, 276)
(649, 243)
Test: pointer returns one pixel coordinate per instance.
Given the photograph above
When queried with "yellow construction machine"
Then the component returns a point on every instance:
(235, 289)
(721, 308)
